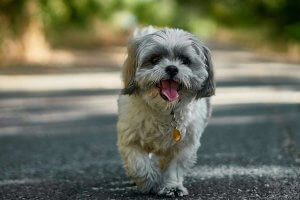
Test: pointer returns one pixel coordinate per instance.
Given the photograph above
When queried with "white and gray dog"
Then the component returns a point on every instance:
(163, 108)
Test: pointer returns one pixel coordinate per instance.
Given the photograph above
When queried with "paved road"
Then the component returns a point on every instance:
(58, 135)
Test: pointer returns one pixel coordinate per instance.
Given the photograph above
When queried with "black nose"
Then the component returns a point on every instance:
(171, 70)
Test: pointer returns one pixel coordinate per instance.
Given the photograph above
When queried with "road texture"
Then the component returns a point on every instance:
(58, 134)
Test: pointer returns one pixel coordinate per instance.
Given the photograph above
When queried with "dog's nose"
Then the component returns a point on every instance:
(171, 70)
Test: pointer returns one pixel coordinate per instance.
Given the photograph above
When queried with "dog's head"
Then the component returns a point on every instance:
(167, 66)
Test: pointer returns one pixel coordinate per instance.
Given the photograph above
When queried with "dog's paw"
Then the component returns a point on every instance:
(177, 191)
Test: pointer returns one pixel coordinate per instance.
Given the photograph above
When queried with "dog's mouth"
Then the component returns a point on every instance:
(169, 89)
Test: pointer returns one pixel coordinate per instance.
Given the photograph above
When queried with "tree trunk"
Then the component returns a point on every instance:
(34, 43)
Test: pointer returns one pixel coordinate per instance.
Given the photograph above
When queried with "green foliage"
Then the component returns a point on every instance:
(10, 14)
(280, 17)
(58, 13)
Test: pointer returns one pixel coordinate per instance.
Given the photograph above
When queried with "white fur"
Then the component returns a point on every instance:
(152, 157)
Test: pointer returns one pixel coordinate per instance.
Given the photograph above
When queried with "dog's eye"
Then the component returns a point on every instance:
(154, 60)
(185, 60)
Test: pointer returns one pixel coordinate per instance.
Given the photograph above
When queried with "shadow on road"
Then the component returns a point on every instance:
(277, 83)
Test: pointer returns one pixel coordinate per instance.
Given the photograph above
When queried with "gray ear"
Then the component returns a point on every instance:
(208, 88)
(209, 85)
(129, 69)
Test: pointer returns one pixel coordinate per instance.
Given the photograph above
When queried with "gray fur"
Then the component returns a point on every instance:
(170, 45)
(152, 157)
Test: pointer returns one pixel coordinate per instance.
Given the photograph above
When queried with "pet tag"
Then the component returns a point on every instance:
(176, 134)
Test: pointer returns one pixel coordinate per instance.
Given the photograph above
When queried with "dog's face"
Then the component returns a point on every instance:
(168, 66)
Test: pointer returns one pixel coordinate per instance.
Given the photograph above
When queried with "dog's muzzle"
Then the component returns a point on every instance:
(169, 89)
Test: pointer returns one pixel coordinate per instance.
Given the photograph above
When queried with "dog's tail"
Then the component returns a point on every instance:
(139, 32)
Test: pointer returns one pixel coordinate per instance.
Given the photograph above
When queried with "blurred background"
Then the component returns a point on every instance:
(29, 28)
(60, 64)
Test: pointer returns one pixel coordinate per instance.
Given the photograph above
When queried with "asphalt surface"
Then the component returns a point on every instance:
(58, 139)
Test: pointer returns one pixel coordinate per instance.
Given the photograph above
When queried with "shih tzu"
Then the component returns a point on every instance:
(163, 108)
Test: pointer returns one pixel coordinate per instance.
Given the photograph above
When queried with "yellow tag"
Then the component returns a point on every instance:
(176, 134)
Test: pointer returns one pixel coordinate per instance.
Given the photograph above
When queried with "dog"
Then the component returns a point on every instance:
(163, 108)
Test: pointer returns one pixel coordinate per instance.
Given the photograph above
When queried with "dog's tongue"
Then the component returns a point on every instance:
(169, 89)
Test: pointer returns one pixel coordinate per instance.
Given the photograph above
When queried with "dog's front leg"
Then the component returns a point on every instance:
(172, 178)
(138, 165)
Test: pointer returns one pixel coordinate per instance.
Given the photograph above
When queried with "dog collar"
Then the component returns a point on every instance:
(176, 133)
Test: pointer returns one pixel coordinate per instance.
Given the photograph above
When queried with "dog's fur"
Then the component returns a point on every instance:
(152, 158)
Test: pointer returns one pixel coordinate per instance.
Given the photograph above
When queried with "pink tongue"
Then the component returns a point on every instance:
(169, 89)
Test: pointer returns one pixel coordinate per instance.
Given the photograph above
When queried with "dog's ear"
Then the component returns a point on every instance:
(208, 88)
(129, 69)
